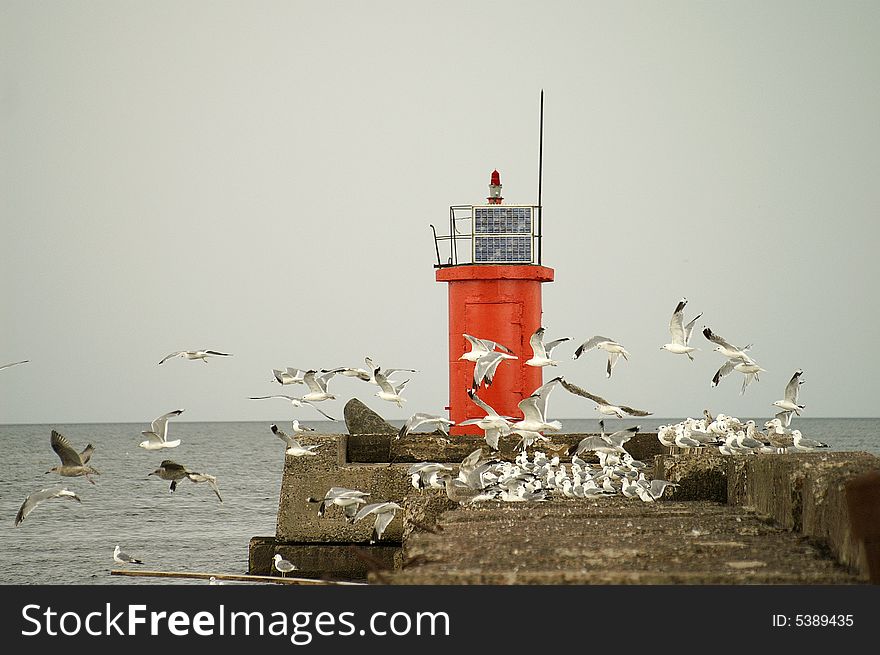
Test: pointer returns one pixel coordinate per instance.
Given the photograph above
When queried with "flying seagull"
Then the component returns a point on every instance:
(288, 376)
(614, 349)
(486, 366)
(481, 347)
(602, 405)
(492, 424)
(790, 402)
(347, 499)
(194, 354)
(38, 497)
(157, 435)
(73, 464)
(384, 515)
(294, 447)
(541, 351)
(296, 402)
(387, 390)
(420, 419)
(681, 334)
(121, 557)
(723, 346)
(171, 470)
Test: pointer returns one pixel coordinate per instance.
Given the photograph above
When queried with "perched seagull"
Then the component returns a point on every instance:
(789, 402)
(299, 429)
(347, 499)
(24, 361)
(387, 390)
(541, 351)
(802, 443)
(317, 386)
(384, 515)
(681, 335)
(194, 354)
(282, 565)
(602, 405)
(486, 366)
(38, 497)
(157, 435)
(429, 420)
(73, 464)
(294, 447)
(121, 557)
(724, 347)
(481, 347)
(492, 424)
(296, 402)
(288, 376)
(171, 470)
(613, 348)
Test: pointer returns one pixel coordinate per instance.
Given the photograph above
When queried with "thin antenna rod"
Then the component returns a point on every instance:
(540, 176)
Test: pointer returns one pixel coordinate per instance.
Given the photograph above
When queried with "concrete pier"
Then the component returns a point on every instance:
(758, 519)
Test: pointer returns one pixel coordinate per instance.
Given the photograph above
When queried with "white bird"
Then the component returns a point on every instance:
(681, 334)
(602, 405)
(157, 435)
(420, 419)
(541, 351)
(427, 474)
(282, 565)
(194, 354)
(288, 376)
(481, 347)
(389, 391)
(296, 402)
(742, 363)
(387, 372)
(724, 347)
(121, 557)
(790, 402)
(493, 424)
(347, 499)
(486, 366)
(38, 497)
(384, 515)
(614, 349)
(294, 447)
(317, 385)
(802, 443)
(24, 361)
(533, 420)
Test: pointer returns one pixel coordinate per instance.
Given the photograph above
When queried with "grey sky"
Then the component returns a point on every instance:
(258, 178)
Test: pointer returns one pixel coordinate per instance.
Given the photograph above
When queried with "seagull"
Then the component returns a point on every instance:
(317, 386)
(288, 376)
(194, 354)
(296, 402)
(723, 346)
(484, 369)
(543, 393)
(605, 443)
(387, 372)
(294, 447)
(121, 557)
(681, 335)
(612, 347)
(802, 443)
(24, 361)
(541, 351)
(420, 419)
(157, 435)
(427, 474)
(347, 499)
(298, 429)
(481, 347)
(533, 420)
(171, 470)
(602, 405)
(789, 402)
(384, 515)
(282, 565)
(38, 497)
(73, 464)
(492, 424)
(387, 390)
(742, 363)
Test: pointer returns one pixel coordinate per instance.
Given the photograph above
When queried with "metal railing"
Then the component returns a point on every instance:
(455, 247)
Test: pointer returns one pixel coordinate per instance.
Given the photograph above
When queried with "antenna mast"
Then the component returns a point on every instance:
(540, 175)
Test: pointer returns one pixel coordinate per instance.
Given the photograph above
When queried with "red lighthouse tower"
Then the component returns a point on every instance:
(494, 274)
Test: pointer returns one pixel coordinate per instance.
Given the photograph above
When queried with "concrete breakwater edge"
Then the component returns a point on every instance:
(806, 518)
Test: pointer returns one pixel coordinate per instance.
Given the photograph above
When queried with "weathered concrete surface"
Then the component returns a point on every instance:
(360, 419)
(610, 540)
(802, 492)
(322, 561)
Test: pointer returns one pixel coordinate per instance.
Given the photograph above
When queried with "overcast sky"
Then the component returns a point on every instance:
(259, 177)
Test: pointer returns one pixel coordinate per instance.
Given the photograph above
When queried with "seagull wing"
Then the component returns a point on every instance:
(477, 345)
(382, 381)
(543, 393)
(281, 435)
(589, 344)
(38, 497)
(312, 383)
(689, 328)
(483, 405)
(725, 369)
(291, 398)
(318, 409)
(582, 392)
(791, 389)
(62, 447)
(550, 346)
(160, 425)
(169, 356)
(214, 352)
(714, 338)
(14, 364)
(86, 453)
(529, 408)
(204, 477)
(536, 341)
(634, 412)
(152, 437)
(676, 323)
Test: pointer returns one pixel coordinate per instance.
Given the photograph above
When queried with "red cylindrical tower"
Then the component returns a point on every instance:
(492, 299)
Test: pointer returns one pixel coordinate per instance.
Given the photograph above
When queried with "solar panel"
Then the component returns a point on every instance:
(503, 234)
